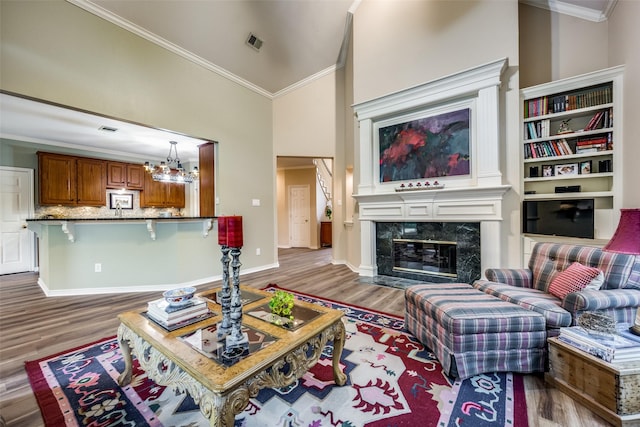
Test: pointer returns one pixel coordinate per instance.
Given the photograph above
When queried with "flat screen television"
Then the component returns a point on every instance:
(569, 218)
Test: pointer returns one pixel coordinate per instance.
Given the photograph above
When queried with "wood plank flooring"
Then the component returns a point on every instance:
(33, 326)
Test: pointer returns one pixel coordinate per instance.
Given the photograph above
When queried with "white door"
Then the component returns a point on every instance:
(16, 205)
(299, 216)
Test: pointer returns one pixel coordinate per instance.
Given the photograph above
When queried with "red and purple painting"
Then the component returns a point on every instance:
(430, 147)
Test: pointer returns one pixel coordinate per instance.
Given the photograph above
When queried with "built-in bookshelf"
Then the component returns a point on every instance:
(571, 141)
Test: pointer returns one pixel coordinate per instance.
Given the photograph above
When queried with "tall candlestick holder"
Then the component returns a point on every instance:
(236, 341)
(224, 327)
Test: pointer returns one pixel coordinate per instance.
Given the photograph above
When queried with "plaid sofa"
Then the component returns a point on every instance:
(619, 296)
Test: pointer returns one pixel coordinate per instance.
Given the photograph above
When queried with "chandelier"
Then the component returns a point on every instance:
(171, 170)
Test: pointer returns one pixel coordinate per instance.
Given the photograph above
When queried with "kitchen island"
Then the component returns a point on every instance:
(124, 254)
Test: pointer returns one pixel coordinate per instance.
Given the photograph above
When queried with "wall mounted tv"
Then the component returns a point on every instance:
(569, 218)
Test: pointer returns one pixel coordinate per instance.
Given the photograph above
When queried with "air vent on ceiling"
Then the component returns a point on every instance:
(107, 128)
(254, 41)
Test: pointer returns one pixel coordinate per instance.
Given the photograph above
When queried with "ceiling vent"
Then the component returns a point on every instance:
(107, 128)
(254, 41)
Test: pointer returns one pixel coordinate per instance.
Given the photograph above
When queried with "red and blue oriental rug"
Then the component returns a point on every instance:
(392, 381)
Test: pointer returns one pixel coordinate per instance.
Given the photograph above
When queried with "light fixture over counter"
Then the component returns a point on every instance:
(171, 170)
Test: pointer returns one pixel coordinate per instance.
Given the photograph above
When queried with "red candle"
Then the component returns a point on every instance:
(222, 231)
(234, 231)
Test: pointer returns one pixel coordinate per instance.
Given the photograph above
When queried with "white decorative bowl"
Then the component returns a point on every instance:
(180, 296)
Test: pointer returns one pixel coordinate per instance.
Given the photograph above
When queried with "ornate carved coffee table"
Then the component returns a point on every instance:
(189, 360)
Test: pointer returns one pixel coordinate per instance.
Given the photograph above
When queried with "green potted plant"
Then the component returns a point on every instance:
(281, 304)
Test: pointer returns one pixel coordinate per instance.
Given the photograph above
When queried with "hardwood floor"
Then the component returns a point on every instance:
(33, 326)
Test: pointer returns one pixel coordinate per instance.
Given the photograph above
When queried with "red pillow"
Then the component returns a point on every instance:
(575, 278)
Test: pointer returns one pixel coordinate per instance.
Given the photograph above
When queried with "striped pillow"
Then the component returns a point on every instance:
(575, 278)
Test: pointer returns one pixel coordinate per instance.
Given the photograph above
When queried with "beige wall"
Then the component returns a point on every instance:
(304, 120)
(575, 45)
(400, 44)
(56, 51)
(534, 27)
(624, 33)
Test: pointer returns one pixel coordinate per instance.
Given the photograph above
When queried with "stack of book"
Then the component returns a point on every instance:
(590, 145)
(623, 346)
(172, 317)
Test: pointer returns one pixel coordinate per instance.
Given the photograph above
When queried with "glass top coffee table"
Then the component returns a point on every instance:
(191, 359)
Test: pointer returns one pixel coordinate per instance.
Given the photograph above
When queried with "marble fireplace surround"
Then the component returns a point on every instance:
(476, 198)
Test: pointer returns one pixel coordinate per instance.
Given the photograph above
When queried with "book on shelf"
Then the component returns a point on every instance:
(161, 309)
(595, 121)
(618, 347)
(568, 101)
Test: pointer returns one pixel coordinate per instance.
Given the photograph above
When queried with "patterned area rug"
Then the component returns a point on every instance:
(392, 380)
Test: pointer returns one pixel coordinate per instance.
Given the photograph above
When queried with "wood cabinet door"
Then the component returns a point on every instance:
(57, 179)
(92, 182)
(175, 196)
(153, 194)
(125, 175)
(207, 179)
(116, 175)
(135, 177)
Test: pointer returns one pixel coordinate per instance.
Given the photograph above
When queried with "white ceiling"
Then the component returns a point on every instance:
(302, 39)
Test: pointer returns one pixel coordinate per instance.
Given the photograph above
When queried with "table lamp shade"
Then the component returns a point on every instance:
(626, 239)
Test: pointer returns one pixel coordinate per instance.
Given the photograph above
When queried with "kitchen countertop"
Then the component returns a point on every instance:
(125, 218)
(69, 224)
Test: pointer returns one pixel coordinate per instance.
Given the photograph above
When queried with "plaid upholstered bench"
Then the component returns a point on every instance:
(471, 332)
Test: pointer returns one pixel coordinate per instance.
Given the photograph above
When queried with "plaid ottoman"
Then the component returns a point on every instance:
(471, 332)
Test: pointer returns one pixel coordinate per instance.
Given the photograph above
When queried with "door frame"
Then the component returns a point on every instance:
(33, 258)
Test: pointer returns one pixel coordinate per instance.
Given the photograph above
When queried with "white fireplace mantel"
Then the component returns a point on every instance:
(474, 198)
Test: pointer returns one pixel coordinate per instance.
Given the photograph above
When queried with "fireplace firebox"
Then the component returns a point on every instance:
(430, 252)
(429, 257)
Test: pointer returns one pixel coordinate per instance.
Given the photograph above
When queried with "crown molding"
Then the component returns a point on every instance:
(581, 12)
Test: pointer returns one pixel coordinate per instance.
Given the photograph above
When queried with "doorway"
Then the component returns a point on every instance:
(17, 243)
(299, 211)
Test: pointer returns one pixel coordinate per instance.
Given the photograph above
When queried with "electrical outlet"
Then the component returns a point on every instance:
(98, 268)
(257, 251)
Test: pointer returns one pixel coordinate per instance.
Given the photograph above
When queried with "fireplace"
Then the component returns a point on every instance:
(436, 252)
(428, 257)
(458, 209)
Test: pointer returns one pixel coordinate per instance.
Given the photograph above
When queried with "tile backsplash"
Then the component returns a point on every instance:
(104, 211)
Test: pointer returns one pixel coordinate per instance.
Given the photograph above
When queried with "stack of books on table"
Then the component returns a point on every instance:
(172, 317)
(623, 346)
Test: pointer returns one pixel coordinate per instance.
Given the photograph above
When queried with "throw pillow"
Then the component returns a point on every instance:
(596, 283)
(575, 278)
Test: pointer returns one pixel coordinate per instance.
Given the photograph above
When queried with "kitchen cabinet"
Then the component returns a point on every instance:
(129, 176)
(158, 194)
(71, 181)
